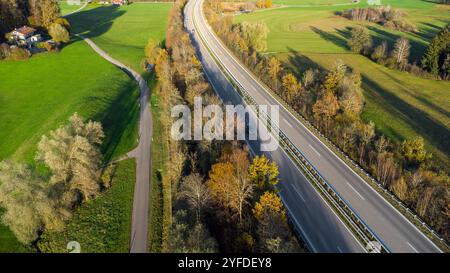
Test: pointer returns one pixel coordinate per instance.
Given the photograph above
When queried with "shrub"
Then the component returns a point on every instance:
(18, 53)
(59, 33)
(4, 51)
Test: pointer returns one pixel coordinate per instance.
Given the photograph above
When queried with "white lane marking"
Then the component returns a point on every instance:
(314, 149)
(413, 248)
(288, 123)
(339, 249)
(300, 171)
(298, 192)
(356, 191)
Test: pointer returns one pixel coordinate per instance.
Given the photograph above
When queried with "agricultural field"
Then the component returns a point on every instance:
(310, 2)
(123, 32)
(401, 105)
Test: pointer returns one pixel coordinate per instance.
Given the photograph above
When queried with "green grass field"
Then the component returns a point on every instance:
(402, 106)
(51, 87)
(66, 8)
(40, 94)
(310, 2)
(103, 224)
(124, 31)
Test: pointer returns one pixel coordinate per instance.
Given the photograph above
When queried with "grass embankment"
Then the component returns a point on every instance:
(102, 224)
(402, 106)
(159, 158)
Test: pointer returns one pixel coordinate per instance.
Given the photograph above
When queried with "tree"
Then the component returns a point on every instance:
(63, 22)
(325, 108)
(269, 203)
(401, 52)
(28, 210)
(268, 4)
(274, 69)
(71, 153)
(366, 134)
(196, 193)
(273, 231)
(11, 16)
(414, 151)
(291, 86)
(255, 35)
(162, 66)
(351, 98)
(400, 188)
(380, 53)
(151, 51)
(263, 173)
(50, 11)
(335, 76)
(259, 4)
(360, 39)
(309, 77)
(184, 238)
(59, 33)
(229, 183)
(386, 168)
(439, 47)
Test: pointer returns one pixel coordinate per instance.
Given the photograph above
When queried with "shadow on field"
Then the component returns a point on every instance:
(423, 123)
(427, 31)
(299, 63)
(94, 22)
(120, 114)
(337, 40)
(417, 48)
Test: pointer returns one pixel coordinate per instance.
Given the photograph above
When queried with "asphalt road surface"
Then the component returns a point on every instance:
(321, 227)
(139, 226)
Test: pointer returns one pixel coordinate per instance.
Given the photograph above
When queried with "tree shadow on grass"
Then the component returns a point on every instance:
(119, 119)
(422, 99)
(335, 39)
(422, 122)
(417, 48)
(94, 22)
(427, 31)
(299, 63)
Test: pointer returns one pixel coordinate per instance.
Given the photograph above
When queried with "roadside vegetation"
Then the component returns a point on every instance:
(214, 193)
(342, 97)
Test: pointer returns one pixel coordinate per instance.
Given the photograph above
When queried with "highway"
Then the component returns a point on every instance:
(317, 222)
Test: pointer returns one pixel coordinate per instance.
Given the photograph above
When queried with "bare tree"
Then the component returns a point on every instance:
(196, 193)
(73, 157)
(401, 52)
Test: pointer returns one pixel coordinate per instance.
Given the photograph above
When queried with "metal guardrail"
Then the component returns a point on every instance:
(349, 214)
(355, 165)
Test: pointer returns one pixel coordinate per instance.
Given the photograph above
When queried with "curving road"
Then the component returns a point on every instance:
(139, 225)
(319, 225)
